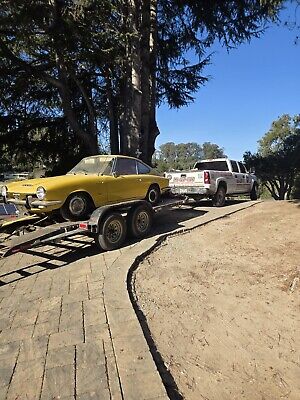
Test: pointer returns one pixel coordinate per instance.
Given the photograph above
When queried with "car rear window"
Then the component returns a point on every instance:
(142, 168)
(212, 165)
(126, 166)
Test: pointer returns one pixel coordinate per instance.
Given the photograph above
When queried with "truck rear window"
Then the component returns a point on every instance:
(212, 165)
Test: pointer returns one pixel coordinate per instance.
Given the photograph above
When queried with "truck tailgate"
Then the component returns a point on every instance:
(189, 178)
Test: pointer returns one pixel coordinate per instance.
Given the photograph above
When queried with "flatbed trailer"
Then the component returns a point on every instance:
(109, 225)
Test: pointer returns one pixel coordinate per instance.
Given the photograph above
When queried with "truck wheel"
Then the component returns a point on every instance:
(76, 207)
(254, 192)
(140, 220)
(153, 195)
(219, 198)
(113, 232)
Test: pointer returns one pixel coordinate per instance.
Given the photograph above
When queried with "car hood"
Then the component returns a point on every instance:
(54, 182)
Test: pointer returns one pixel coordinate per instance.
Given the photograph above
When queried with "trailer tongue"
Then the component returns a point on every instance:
(42, 236)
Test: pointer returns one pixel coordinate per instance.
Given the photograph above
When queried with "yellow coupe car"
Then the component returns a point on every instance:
(95, 181)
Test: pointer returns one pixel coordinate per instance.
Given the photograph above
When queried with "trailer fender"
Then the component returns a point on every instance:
(97, 217)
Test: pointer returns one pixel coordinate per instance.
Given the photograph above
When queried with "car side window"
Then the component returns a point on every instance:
(142, 168)
(234, 166)
(242, 168)
(125, 166)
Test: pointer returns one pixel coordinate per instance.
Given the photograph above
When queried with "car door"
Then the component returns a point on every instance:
(144, 179)
(123, 185)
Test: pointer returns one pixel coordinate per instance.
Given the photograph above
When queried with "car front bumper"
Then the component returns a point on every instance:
(32, 203)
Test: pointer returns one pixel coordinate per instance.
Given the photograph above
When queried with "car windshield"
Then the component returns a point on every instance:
(93, 166)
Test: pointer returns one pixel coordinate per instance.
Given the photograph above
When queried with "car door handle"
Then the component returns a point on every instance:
(140, 179)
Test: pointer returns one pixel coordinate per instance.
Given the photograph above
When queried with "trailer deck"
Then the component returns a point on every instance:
(108, 225)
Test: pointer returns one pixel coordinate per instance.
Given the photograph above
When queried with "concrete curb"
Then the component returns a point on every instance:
(140, 367)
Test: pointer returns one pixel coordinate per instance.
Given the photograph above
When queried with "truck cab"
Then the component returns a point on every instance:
(210, 177)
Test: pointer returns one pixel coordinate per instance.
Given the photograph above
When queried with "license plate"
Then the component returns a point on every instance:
(183, 190)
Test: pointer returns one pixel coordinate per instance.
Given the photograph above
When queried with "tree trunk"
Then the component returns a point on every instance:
(282, 188)
(113, 118)
(131, 119)
(89, 140)
(149, 129)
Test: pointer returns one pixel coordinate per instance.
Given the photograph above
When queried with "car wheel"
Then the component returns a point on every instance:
(254, 192)
(219, 198)
(76, 207)
(139, 220)
(153, 195)
(113, 232)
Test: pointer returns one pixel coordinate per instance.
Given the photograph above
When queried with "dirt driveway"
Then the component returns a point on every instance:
(222, 303)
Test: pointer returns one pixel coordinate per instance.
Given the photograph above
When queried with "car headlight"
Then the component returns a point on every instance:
(40, 193)
(3, 191)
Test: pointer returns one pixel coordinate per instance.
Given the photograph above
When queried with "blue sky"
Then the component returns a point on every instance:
(249, 88)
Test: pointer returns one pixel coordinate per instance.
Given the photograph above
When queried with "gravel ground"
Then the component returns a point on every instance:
(222, 304)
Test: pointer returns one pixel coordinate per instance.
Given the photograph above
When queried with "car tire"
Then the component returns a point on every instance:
(77, 207)
(219, 198)
(139, 221)
(254, 192)
(113, 232)
(153, 195)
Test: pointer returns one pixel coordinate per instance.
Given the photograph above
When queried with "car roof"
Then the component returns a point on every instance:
(114, 156)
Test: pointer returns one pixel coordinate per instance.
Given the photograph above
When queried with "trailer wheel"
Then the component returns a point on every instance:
(140, 220)
(113, 232)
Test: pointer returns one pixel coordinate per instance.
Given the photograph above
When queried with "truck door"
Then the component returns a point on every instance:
(246, 178)
(238, 177)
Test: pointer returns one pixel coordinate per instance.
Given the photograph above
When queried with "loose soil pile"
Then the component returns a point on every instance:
(222, 303)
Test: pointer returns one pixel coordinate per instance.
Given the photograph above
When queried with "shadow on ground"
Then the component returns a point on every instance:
(72, 250)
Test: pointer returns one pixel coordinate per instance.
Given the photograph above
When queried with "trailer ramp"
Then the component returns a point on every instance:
(42, 236)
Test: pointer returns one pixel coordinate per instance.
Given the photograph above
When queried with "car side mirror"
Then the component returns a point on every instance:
(115, 174)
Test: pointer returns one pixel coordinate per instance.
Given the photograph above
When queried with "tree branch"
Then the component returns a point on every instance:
(28, 67)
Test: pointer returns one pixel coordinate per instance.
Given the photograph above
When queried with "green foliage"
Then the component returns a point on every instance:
(296, 188)
(184, 155)
(212, 150)
(278, 158)
(65, 66)
(187, 26)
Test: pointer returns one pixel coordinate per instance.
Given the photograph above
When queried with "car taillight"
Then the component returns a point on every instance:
(206, 177)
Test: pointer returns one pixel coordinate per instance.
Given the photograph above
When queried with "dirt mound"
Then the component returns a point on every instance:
(222, 303)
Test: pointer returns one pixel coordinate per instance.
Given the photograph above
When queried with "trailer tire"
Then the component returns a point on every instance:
(139, 220)
(153, 195)
(219, 198)
(112, 232)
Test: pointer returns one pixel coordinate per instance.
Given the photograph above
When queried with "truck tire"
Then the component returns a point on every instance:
(254, 192)
(139, 221)
(153, 195)
(113, 232)
(219, 198)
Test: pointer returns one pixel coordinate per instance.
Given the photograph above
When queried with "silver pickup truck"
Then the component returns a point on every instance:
(214, 179)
